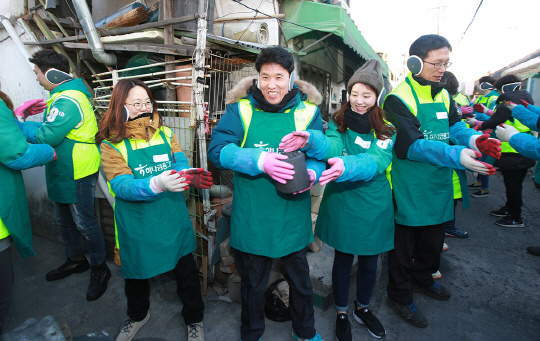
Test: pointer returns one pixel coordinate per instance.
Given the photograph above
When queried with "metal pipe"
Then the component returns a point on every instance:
(16, 39)
(143, 66)
(145, 75)
(85, 18)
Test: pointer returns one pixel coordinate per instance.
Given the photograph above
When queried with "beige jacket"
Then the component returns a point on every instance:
(113, 162)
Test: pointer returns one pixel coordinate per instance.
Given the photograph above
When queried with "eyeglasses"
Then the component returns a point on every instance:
(140, 105)
(439, 65)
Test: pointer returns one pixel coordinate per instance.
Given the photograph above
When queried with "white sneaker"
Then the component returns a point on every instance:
(195, 332)
(436, 275)
(130, 328)
(445, 247)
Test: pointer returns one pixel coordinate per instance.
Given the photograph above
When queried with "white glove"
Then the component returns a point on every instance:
(506, 132)
(468, 160)
(471, 121)
(168, 182)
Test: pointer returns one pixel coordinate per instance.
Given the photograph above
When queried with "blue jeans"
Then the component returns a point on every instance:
(78, 221)
(484, 179)
(366, 278)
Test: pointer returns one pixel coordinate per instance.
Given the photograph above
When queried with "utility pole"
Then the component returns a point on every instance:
(438, 8)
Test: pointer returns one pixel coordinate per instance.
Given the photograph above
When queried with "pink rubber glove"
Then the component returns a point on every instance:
(480, 108)
(334, 172)
(490, 147)
(466, 110)
(29, 108)
(54, 157)
(489, 112)
(278, 170)
(294, 141)
(312, 178)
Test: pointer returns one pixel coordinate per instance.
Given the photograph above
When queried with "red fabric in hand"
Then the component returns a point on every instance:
(197, 177)
(490, 147)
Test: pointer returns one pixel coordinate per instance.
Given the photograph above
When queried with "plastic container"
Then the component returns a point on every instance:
(301, 176)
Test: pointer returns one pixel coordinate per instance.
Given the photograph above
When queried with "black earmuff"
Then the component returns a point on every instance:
(511, 87)
(125, 113)
(486, 86)
(55, 76)
(415, 65)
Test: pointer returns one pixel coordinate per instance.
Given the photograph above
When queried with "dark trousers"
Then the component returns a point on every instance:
(78, 221)
(426, 243)
(366, 277)
(254, 279)
(6, 284)
(513, 181)
(188, 289)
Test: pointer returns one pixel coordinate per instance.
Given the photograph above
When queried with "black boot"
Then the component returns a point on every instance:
(74, 264)
(99, 277)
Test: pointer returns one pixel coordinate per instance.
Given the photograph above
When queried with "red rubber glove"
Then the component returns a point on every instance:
(29, 108)
(525, 103)
(478, 126)
(480, 108)
(490, 147)
(197, 177)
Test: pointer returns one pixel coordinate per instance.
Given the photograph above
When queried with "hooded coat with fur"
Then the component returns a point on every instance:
(230, 128)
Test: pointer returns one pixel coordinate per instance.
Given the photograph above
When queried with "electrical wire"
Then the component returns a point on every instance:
(474, 16)
(252, 20)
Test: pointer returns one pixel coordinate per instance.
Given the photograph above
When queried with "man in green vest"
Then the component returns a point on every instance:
(266, 223)
(426, 120)
(69, 126)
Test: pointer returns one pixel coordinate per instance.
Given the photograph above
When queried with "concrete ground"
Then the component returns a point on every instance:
(494, 283)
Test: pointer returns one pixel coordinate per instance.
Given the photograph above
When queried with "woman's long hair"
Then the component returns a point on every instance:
(8, 101)
(376, 119)
(113, 120)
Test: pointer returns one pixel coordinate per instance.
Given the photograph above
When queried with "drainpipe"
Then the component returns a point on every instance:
(85, 18)
(16, 39)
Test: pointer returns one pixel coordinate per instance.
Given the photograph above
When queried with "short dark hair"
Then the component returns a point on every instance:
(426, 43)
(276, 55)
(451, 82)
(506, 80)
(47, 59)
(488, 79)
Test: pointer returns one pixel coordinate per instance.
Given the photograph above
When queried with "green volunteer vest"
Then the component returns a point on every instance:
(264, 221)
(487, 99)
(365, 225)
(3, 230)
(152, 235)
(78, 154)
(423, 193)
(461, 99)
(505, 146)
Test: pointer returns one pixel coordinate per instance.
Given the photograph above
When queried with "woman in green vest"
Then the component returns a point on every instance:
(147, 172)
(356, 216)
(15, 155)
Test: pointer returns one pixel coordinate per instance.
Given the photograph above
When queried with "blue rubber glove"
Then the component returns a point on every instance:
(29, 129)
(318, 145)
(128, 188)
(36, 155)
(243, 160)
(436, 153)
(361, 167)
(527, 116)
(461, 135)
(527, 145)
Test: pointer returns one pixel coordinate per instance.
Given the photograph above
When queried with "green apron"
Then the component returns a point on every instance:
(264, 221)
(152, 235)
(424, 193)
(358, 217)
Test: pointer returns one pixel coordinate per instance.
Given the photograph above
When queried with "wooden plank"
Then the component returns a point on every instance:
(119, 31)
(177, 50)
